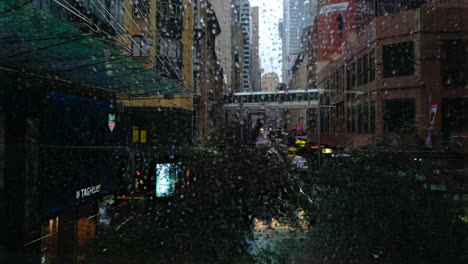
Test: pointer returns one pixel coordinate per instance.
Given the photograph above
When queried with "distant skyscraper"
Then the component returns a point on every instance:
(296, 16)
(243, 16)
(255, 56)
(224, 42)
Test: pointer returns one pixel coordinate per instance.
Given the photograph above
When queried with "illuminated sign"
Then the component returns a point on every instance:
(166, 177)
(143, 136)
(85, 192)
(301, 142)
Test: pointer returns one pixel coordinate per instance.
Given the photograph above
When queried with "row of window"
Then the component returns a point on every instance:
(399, 60)
(358, 73)
(166, 9)
(398, 115)
(166, 46)
(359, 119)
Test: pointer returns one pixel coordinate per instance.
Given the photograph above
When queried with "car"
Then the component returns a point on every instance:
(300, 162)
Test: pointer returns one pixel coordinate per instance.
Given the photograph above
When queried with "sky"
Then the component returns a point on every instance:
(270, 43)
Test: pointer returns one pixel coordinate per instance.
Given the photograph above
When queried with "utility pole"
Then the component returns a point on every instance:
(241, 122)
(319, 149)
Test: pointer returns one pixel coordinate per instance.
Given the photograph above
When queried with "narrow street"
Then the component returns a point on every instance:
(234, 131)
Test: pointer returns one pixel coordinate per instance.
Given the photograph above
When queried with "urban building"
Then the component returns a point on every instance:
(339, 24)
(158, 33)
(209, 73)
(401, 75)
(297, 15)
(60, 132)
(270, 81)
(224, 43)
(243, 13)
(237, 53)
(255, 51)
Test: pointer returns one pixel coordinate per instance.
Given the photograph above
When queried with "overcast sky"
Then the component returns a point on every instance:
(270, 44)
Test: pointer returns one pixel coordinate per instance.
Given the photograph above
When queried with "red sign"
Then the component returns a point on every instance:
(111, 125)
(111, 122)
(299, 127)
(338, 22)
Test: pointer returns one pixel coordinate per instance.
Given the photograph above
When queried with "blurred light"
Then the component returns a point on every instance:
(301, 142)
(316, 146)
(327, 151)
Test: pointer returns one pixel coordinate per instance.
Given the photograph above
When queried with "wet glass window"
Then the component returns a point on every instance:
(399, 114)
(398, 59)
(454, 62)
(140, 46)
(372, 65)
(233, 131)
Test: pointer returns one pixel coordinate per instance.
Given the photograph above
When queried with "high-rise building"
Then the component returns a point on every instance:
(209, 73)
(243, 16)
(255, 55)
(224, 44)
(297, 15)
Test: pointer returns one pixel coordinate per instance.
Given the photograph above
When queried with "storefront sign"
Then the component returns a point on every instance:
(334, 8)
(85, 192)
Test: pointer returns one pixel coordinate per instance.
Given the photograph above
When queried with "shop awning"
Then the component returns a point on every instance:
(33, 41)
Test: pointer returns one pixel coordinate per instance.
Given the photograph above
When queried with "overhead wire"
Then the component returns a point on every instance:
(178, 73)
(47, 47)
(122, 27)
(81, 15)
(130, 14)
(97, 29)
(175, 68)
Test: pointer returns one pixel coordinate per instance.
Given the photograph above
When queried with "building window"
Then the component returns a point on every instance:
(353, 75)
(399, 114)
(372, 117)
(398, 59)
(141, 8)
(372, 65)
(348, 77)
(360, 119)
(365, 118)
(454, 115)
(169, 18)
(348, 119)
(359, 72)
(365, 69)
(170, 47)
(342, 79)
(140, 46)
(454, 62)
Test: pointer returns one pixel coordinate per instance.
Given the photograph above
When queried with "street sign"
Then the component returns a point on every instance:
(111, 122)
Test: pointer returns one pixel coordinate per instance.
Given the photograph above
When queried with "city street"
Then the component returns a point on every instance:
(234, 131)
